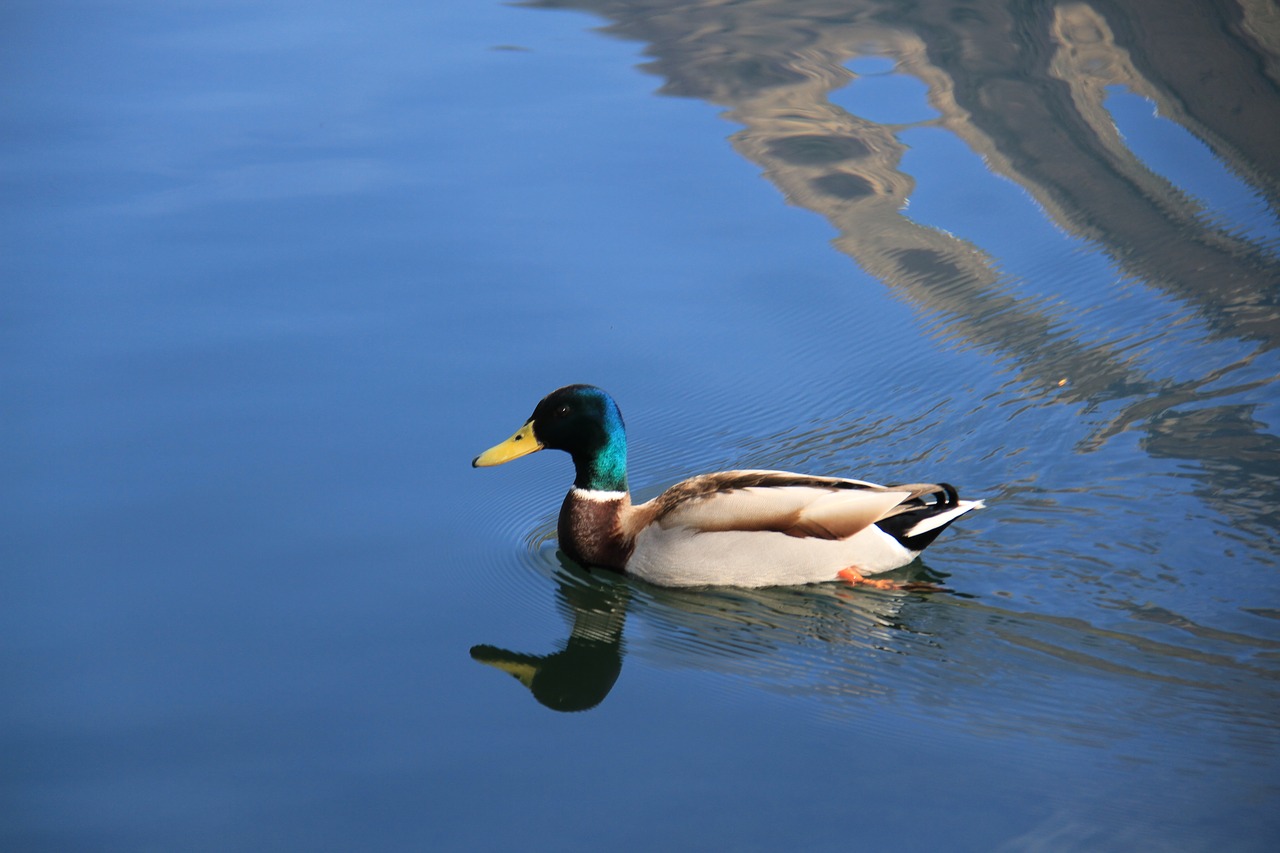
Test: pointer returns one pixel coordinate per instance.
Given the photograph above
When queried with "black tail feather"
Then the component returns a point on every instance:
(897, 525)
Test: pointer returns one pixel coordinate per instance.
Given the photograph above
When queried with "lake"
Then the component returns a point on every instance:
(275, 273)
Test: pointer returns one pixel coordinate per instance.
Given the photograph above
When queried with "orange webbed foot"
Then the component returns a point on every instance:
(853, 577)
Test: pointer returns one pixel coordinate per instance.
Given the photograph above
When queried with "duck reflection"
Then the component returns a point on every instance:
(743, 630)
(581, 674)
(944, 656)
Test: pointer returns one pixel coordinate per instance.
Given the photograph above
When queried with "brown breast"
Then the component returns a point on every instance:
(590, 531)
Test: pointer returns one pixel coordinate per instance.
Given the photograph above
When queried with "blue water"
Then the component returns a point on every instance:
(274, 274)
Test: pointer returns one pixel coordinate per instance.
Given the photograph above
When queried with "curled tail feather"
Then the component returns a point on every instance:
(918, 521)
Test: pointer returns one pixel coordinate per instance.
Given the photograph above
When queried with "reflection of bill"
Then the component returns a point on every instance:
(576, 678)
(580, 675)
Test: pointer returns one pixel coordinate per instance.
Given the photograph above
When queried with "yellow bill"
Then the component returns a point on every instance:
(524, 667)
(521, 444)
(524, 672)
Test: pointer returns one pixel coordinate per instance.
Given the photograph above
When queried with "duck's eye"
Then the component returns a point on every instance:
(562, 412)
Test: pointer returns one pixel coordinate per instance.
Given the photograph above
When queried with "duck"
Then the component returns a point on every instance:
(744, 528)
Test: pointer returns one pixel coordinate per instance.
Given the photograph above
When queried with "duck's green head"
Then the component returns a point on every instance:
(581, 420)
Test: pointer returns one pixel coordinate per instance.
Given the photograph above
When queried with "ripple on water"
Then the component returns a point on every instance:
(818, 639)
(516, 532)
(871, 657)
(999, 665)
(949, 659)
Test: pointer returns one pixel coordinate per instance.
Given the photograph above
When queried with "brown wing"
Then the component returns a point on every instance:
(795, 504)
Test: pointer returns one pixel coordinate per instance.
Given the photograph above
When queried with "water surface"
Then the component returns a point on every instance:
(274, 275)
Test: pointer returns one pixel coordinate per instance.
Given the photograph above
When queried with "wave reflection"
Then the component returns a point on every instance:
(1122, 420)
(1177, 333)
(941, 657)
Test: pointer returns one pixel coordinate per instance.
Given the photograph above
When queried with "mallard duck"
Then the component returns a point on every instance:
(733, 528)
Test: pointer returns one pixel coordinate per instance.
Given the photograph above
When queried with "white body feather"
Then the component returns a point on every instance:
(683, 556)
(720, 539)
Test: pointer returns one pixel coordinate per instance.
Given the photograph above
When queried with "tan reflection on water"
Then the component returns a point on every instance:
(1025, 89)
(998, 82)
